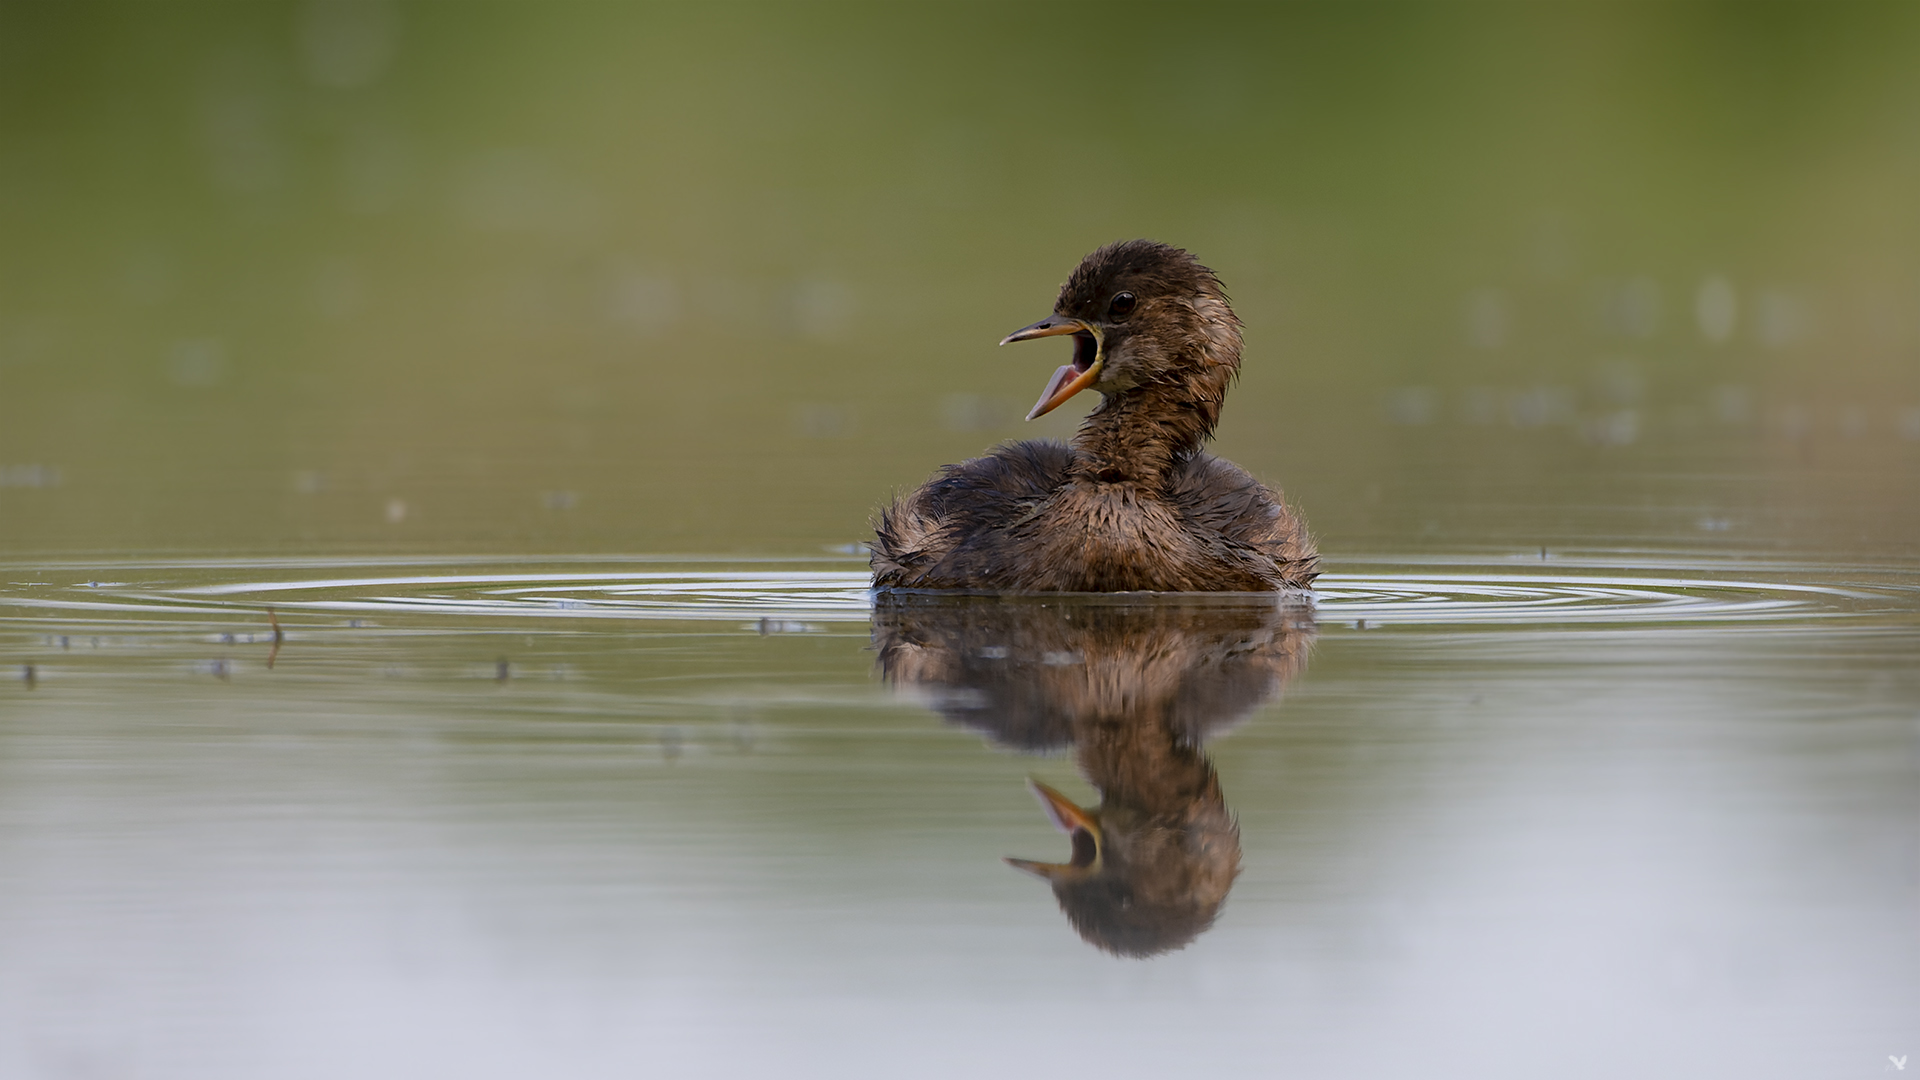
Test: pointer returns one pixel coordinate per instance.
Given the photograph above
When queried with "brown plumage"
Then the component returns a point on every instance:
(1132, 503)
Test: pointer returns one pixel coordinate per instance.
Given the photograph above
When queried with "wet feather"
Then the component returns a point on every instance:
(1132, 503)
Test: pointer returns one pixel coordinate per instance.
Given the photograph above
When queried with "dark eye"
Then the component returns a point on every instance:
(1121, 306)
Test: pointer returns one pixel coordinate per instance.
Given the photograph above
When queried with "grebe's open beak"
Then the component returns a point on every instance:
(1079, 825)
(1071, 378)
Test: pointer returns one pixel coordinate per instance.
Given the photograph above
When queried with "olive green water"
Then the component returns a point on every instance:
(537, 368)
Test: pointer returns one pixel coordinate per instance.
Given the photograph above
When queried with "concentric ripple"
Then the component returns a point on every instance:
(790, 595)
(1492, 598)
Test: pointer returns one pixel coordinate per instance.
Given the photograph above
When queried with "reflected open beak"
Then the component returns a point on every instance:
(1072, 378)
(1073, 821)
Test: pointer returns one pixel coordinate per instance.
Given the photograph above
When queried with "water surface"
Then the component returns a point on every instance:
(1593, 815)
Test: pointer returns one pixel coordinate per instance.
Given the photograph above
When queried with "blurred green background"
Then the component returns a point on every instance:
(356, 276)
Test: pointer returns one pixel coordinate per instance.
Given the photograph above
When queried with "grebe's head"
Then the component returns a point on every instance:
(1141, 314)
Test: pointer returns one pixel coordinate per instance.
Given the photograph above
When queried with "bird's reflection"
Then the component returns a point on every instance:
(1133, 687)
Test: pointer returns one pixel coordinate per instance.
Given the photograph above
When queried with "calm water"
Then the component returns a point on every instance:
(435, 441)
(1590, 816)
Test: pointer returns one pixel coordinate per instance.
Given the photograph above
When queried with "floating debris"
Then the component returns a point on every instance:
(786, 626)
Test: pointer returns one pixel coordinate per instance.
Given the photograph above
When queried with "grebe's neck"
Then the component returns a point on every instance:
(1141, 434)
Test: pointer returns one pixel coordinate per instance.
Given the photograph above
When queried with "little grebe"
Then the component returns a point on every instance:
(1132, 503)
